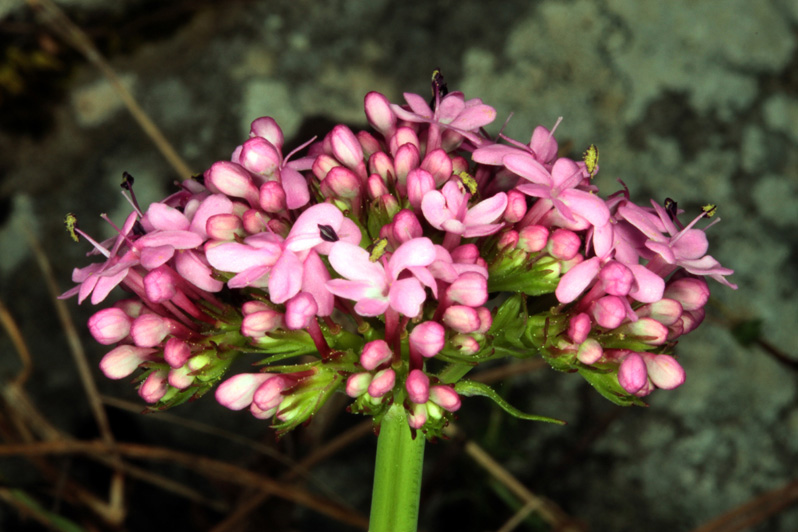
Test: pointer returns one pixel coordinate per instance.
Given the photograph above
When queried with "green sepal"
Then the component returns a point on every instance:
(470, 388)
(604, 378)
(294, 343)
(510, 320)
(540, 278)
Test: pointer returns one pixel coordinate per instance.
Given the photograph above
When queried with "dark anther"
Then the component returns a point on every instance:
(671, 208)
(327, 233)
(127, 181)
(439, 87)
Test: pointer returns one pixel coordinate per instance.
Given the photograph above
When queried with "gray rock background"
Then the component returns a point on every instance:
(697, 101)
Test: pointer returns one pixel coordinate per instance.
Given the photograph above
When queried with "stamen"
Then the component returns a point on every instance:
(71, 223)
(591, 158)
(327, 233)
(671, 208)
(127, 184)
(377, 249)
(439, 88)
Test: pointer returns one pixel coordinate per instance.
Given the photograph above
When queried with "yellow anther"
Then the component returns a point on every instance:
(709, 210)
(468, 182)
(591, 158)
(378, 249)
(71, 222)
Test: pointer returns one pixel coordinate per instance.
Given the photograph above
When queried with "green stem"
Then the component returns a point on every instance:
(397, 475)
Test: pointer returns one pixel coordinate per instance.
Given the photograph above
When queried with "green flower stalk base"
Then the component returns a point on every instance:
(397, 475)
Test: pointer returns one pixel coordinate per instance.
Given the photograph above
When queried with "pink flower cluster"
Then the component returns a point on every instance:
(400, 258)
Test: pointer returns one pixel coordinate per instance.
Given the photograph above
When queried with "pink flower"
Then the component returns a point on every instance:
(448, 211)
(376, 286)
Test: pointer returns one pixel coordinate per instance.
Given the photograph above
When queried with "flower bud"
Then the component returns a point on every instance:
(254, 221)
(465, 343)
(323, 164)
(358, 383)
(257, 324)
(340, 183)
(379, 113)
(439, 165)
(259, 156)
(533, 238)
(417, 416)
(419, 182)
(564, 244)
(404, 136)
(632, 375)
(160, 285)
(269, 395)
(224, 227)
(470, 289)
(345, 147)
(646, 330)
(427, 338)
(666, 311)
(406, 159)
(461, 318)
(616, 279)
(375, 187)
(417, 386)
(381, 164)
(267, 128)
(507, 240)
(406, 226)
(579, 328)
(590, 351)
(176, 352)
(121, 361)
(237, 392)
(445, 397)
(609, 311)
(299, 310)
(154, 387)
(691, 292)
(109, 325)
(382, 382)
(466, 254)
(149, 330)
(485, 320)
(369, 144)
(664, 371)
(180, 378)
(375, 353)
(272, 197)
(516, 206)
(233, 180)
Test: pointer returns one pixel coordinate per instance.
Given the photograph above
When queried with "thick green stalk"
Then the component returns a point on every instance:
(397, 475)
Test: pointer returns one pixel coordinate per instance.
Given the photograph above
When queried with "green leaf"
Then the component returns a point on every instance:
(52, 520)
(604, 379)
(471, 388)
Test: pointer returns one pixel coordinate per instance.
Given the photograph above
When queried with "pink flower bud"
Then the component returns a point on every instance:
(375, 353)
(382, 383)
(224, 227)
(485, 320)
(345, 147)
(257, 324)
(267, 128)
(237, 392)
(445, 397)
(439, 165)
(233, 180)
(254, 221)
(149, 330)
(176, 352)
(646, 330)
(616, 279)
(180, 378)
(379, 113)
(154, 386)
(121, 361)
(666, 311)
(632, 375)
(691, 292)
(417, 416)
(507, 240)
(579, 328)
(516, 206)
(269, 395)
(109, 326)
(428, 338)
(369, 144)
(466, 254)
(406, 227)
(381, 164)
(417, 386)
(664, 371)
(323, 164)
(358, 383)
(406, 158)
(461, 318)
(340, 183)
(419, 182)
(375, 186)
(465, 343)
(299, 310)
(259, 156)
(131, 307)
(564, 244)
(160, 285)
(533, 238)
(590, 351)
(272, 197)
(404, 136)
(470, 289)
(609, 311)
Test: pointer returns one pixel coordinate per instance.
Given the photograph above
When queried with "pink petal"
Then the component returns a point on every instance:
(577, 279)
(414, 252)
(352, 262)
(407, 296)
(286, 278)
(166, 218)
(486, 211)
(305, 232)
(196, 271)
(235, 257)
(296, 189)
(528, 168)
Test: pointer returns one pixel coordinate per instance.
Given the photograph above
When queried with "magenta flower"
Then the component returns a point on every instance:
(376, 285)
(448, 210)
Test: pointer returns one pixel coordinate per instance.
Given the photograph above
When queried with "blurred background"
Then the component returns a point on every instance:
(696, 101)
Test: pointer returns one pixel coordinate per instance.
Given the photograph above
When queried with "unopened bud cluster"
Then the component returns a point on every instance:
(386, 264)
